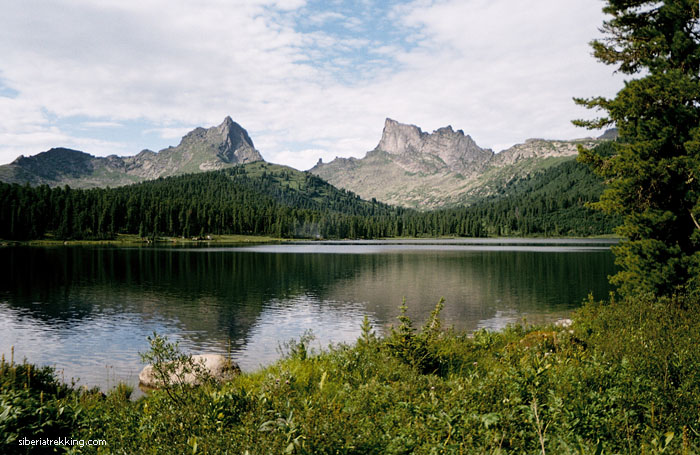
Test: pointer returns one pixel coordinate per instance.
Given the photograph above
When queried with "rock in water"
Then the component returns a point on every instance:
(217, 366)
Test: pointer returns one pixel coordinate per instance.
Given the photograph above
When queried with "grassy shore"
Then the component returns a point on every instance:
(135, 240)
(624, 378)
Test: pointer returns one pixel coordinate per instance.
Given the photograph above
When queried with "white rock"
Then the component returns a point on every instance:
(217, 366)
(564, 323)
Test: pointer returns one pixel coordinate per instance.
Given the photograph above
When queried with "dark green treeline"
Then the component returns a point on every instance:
(267, 199)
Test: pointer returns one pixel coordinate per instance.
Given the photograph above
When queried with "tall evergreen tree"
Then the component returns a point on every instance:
(654, 174)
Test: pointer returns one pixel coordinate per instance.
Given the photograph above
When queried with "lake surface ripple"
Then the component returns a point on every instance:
(87, 310)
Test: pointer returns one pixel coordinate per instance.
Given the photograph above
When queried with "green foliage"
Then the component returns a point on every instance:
(654, 174)
(368, 337)
(265, 199)
(33, 405)
(552, 202)
(653, 342)
(625, 378)
(174, 370)
(414, 349)
(300, 349)
(255, 199)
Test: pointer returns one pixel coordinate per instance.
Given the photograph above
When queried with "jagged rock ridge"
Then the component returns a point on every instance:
(225, 145)
(413, 168)
(444, 149)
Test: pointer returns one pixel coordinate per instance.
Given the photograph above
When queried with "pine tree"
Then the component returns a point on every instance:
(654, 174)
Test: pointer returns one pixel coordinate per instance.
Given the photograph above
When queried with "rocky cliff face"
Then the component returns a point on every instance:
(539, 148)
(442, 150)
(200, 150)
(229, 143)
(422, 170)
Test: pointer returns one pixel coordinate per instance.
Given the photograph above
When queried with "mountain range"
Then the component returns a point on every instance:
(201, 150)
(445, 168)
(408, 168)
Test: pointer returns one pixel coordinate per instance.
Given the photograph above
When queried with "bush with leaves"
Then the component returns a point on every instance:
(34, 405)
(414, 348)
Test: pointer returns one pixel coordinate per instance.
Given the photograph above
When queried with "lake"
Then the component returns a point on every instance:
(87, 310)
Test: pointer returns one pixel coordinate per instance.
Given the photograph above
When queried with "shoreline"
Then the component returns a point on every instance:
(236, 239)
(135, 240)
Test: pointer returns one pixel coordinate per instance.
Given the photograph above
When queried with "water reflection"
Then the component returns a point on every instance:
(88, 310)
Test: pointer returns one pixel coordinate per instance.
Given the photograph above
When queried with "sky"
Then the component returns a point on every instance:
(307, 79)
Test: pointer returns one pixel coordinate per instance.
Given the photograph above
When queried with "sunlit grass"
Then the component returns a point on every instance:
(624, 378)
(134, 240)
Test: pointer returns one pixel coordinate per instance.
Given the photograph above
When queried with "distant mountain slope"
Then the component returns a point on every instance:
(200, 150)
(262, 198)
(61, 166)
(304, 190)
(445, 168)
(548, 201)
(255, 198)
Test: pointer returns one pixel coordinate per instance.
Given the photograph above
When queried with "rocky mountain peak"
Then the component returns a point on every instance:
(202, 149)
(448, 130)
(228, 121)
(444, 168)
(235, 141)
(233, 131)
(456, 150)
(228, 142)
(399, 138)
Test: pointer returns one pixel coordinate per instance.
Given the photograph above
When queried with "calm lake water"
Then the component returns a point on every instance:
(88, 310)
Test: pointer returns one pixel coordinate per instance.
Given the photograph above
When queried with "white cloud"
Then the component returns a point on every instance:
(300, 159)
(18, 143)
(287, 5)
(101, 124)
(173, 134)
(326, 16)
(500, 70)
(503, 71)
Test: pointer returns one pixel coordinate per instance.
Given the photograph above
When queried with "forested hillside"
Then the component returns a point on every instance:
(550, 202)
(271, 200)
(266, 199)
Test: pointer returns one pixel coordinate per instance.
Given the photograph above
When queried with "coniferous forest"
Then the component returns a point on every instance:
(621, 377)
(267, 199)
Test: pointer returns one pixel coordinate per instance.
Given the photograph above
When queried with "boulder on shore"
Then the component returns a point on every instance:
(216, 366)
(563, 323)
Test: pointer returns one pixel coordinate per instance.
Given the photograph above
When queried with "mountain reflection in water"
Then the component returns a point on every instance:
(88, 310)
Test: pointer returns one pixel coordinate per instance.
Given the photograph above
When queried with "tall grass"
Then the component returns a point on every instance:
(625, 378)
